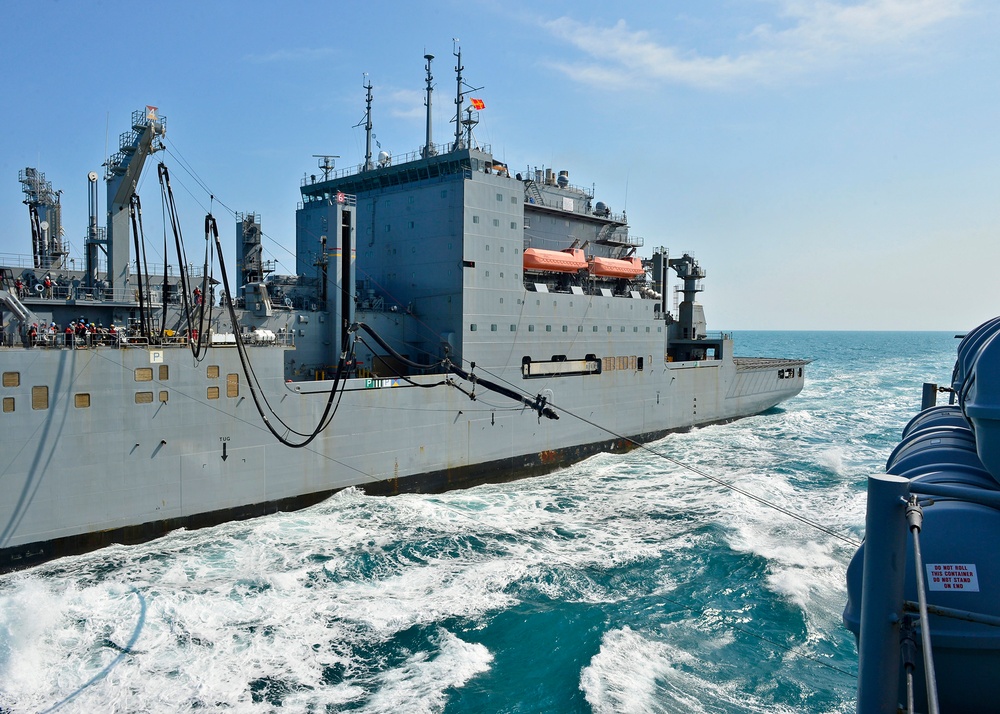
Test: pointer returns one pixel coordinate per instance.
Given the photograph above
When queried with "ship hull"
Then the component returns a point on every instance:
(125, 470)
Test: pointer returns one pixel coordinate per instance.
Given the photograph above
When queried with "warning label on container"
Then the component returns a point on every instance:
(952, 576)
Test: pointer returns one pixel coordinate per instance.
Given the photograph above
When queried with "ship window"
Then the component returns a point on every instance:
(144, 374)
(410, 224)
(531, 328)
(496, 222)
(548, 328)
(609, 328)
(487, 273)
(638, 363)
(513, 328)
(595, 328)
(8, 404)
(623, 328)
(608, 364)
(475, 219)
(164, 396)
(164, 372)
(444, 194)
(472, 327)
(501, 299)
(213, 393)
(513, 225)
(659, 329)
(39, 397)
(579, 328)
(501, 275)
(81, 401)
(800, 371)
(647, 329)
(500, 197)
(513, 199)
(565, 328)
(493, 328)
(388, 227)
(12, 379)
(635, 329)
(232, 385)
(143, 397)
(213, 371)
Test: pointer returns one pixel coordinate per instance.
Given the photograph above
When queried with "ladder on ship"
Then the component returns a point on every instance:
(534, 194)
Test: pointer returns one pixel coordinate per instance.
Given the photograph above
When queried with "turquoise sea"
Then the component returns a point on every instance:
(626, 583)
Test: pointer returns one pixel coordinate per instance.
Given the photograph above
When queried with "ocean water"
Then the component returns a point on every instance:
(626, 583)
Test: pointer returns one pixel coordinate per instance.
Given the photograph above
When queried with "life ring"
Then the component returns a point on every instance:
(39, 288)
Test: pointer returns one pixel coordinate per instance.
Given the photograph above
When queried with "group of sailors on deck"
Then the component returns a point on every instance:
(78, 332)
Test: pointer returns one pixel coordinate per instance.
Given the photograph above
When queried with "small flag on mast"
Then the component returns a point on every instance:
(478, 103)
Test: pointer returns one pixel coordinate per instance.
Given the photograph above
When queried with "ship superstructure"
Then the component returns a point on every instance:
(449, 322)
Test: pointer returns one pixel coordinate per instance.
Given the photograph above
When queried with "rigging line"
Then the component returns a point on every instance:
(186, 165)
(340, 379)
(704, 474)
(721, 482)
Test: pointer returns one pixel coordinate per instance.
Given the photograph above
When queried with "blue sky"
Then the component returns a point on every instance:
(833, 164)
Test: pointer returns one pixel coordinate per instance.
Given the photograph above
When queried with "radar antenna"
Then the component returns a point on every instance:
(326, 163)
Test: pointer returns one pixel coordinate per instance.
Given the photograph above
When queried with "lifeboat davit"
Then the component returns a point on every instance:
(615, 267)
(571, 260)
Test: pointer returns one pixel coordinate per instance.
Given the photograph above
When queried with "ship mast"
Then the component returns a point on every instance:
(428, 144)
(459, 96)
(460, 91)
(368, 125)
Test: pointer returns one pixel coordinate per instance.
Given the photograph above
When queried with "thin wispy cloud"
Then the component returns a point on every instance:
(805, 36)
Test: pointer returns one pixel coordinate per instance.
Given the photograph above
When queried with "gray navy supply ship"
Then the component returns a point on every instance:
(449, 323)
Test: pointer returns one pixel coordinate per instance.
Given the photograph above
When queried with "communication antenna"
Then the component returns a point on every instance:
(326, 163)
(367, 121)
(462, 87)
(429, 142)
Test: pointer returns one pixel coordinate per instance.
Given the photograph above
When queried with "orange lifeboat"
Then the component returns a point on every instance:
(571, 260)
(615, 268)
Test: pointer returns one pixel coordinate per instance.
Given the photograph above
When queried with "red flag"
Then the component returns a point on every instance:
(478, 104)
